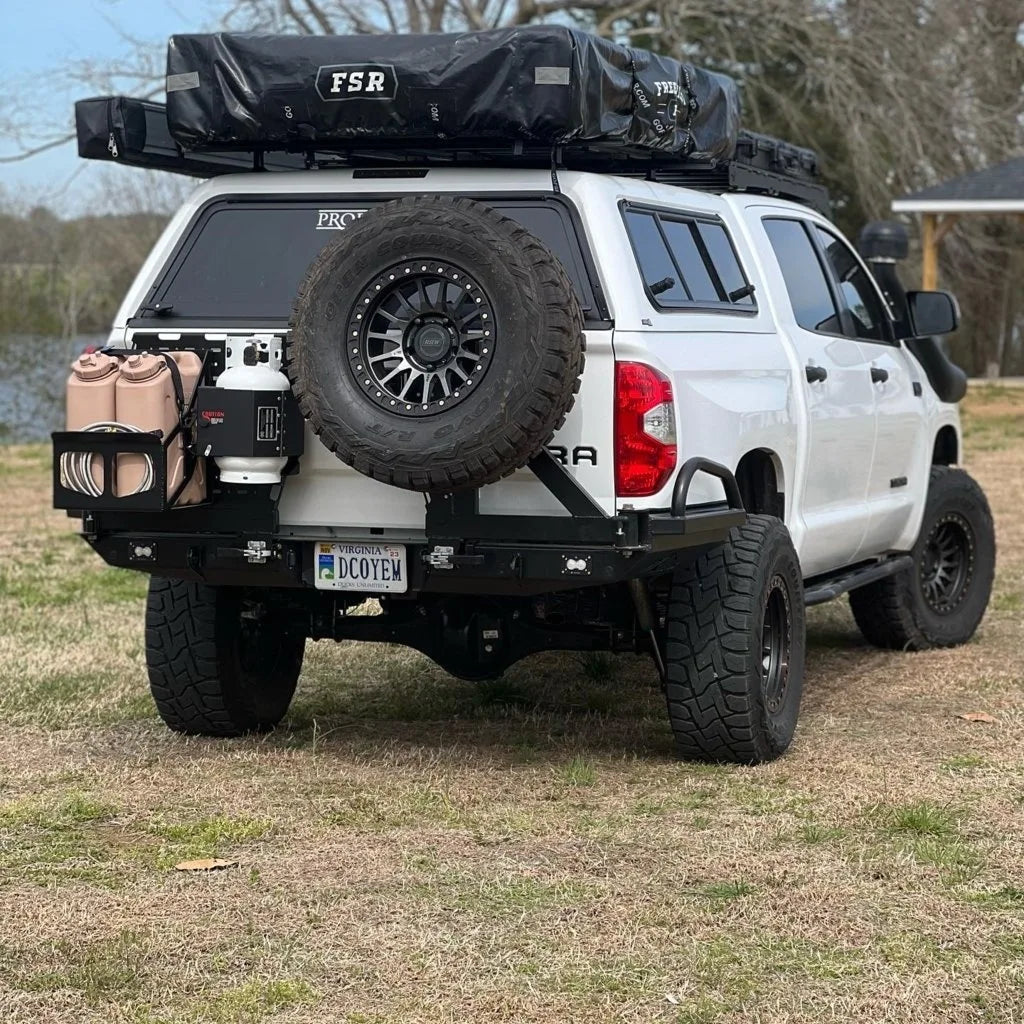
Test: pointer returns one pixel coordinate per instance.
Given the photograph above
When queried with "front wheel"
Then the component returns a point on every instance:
(221, 661)
(734, 653)
(940, 600)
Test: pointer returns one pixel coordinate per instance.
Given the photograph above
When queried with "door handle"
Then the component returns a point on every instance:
(878, 375)
(815, 374)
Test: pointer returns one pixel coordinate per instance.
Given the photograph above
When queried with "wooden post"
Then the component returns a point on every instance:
(933, 230)
(929, 253)
(944, 226)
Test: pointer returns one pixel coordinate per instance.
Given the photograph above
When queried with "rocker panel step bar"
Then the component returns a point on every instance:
(822, 589)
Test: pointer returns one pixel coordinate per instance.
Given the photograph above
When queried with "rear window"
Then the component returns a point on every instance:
(244, 260)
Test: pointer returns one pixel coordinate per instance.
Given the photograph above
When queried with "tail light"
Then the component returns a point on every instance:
(645, 430)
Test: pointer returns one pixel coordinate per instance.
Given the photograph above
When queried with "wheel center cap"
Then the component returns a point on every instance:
(432, 342)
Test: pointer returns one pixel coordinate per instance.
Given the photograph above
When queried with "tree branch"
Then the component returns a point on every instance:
(606, 25)
(359, 23)
(288, 8)
(320, 17)
(473, 13)
(41, 148)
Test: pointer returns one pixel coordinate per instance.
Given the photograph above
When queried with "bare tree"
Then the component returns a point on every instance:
(369, 16)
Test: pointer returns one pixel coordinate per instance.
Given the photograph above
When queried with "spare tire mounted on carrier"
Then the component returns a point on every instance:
(437, 345)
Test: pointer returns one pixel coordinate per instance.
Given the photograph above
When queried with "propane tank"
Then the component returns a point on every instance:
(253, 364)
(90, 403)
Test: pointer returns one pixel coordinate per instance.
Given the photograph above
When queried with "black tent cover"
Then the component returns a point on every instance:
(542, 85)
(135, 132)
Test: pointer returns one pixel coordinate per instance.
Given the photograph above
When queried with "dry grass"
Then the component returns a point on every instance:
(413, 848)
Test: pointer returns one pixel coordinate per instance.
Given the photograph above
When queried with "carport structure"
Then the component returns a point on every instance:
(995, 191)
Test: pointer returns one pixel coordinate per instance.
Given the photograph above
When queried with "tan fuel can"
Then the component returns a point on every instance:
(90, 399)
(146, 399)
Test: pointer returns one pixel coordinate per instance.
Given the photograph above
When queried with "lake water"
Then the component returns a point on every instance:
(33, 372)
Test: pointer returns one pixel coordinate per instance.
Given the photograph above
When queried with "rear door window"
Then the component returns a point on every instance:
(243, 260)
(806, 284)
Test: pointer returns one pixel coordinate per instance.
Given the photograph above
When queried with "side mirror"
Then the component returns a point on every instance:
(932, 313)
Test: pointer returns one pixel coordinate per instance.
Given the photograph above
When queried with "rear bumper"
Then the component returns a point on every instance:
(457, 557)
(236, 540)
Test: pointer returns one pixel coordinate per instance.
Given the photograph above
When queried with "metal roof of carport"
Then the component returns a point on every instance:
(994, 190)
(998, 189)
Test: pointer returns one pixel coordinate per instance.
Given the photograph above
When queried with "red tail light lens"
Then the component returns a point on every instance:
(645, 430)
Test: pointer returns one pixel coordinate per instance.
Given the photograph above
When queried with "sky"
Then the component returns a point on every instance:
(38, 38)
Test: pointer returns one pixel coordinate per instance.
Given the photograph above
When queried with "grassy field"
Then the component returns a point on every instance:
(412, 848)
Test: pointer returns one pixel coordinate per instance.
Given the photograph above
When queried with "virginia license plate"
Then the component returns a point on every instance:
(370, 568)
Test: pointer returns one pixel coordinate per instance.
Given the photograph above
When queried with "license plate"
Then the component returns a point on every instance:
(370, 568)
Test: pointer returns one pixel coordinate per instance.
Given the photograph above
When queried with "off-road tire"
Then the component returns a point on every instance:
(723, 703)
(532, 367)
(903, 612)
(211, 675)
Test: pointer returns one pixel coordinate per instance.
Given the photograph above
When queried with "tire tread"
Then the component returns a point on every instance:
(885, 610)
(186, 660)
(712, 607)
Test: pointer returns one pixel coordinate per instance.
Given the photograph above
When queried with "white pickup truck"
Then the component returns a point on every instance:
(529, 410)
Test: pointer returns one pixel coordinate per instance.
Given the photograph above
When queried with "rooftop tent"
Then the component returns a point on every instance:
(996, 190)
(537, 86)
(541, 96)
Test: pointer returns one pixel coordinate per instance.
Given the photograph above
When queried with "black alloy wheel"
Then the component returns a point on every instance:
(776, 644)
(947, 563)
(422, 337)
(939, 601)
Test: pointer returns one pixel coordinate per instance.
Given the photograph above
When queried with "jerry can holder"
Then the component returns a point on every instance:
(107, 446)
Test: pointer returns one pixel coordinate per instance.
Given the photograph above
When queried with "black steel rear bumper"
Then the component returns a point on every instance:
(639, 544)
(463, 551)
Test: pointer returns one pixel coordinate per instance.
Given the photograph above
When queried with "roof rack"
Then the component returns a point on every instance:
(135, 132)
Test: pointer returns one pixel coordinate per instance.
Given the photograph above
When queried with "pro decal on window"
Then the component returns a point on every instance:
(336, 220)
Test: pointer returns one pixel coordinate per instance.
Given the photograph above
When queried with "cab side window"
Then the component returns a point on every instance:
(864, 314)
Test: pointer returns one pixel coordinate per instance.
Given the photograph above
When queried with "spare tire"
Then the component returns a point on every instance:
(437, 345)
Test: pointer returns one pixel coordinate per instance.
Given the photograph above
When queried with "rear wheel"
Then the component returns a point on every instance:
(734, 653)
(221, 663)
(940, 600)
